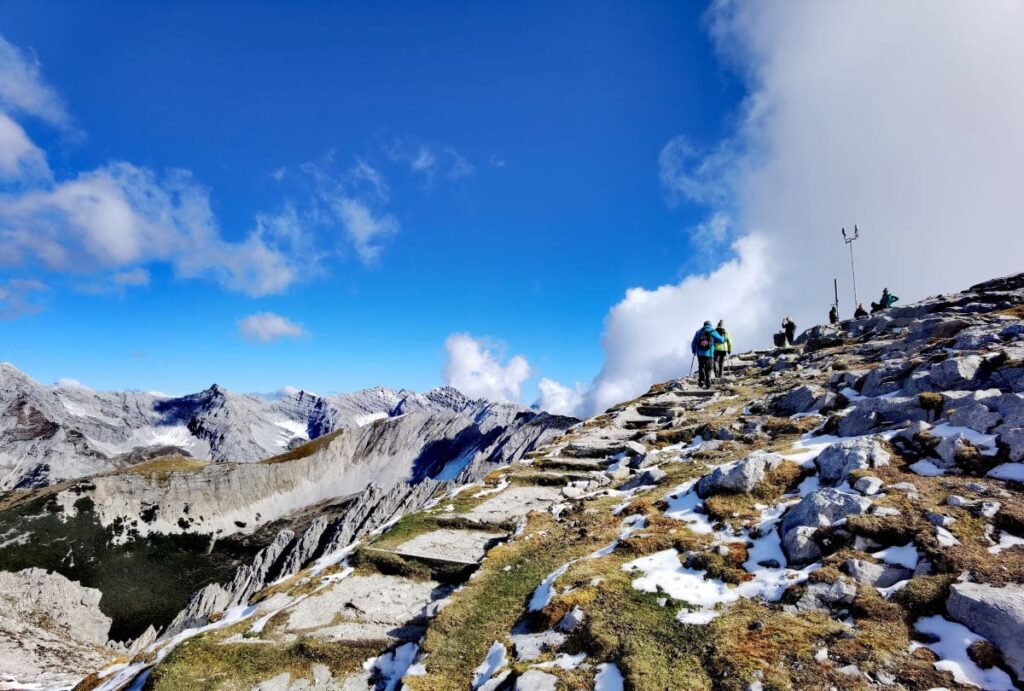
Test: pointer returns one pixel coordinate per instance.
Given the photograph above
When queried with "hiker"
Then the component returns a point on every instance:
(789, 327)
(833, 315)
(703, 346)
(861, 312)
(722, 350)
(887, 301)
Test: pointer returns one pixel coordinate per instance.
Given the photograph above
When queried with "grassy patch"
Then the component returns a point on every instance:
(205, 663)
(489, 604)
(166, 465)
(307, 449)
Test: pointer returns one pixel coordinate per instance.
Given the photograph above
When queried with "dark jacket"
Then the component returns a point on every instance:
(713, 338)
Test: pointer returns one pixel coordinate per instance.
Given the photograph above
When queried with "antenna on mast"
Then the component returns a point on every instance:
(848, 239)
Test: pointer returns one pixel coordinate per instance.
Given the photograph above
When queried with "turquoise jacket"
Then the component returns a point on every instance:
(713, 338)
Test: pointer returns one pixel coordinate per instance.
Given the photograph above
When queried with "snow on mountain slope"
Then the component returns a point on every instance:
(51, 434)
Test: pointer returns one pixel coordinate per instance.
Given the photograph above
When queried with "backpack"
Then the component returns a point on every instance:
(704, 340)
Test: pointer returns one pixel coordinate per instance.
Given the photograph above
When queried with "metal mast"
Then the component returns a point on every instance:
(848, 239)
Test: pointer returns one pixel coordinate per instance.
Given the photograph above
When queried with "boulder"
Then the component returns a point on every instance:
(651, 476)
(803, 399)
(838, 460)
(955, 373)
(799, 545)
(886, 378)
(870, 413)
(976, 337)
(975, 415)
(869, 485)
(995, 613)
(740, 477)
(818, 509)
(827, 595)
(822, 508)
(877, 575)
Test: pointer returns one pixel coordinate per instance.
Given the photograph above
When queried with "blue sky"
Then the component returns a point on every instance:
(543, 205)
(534, 201)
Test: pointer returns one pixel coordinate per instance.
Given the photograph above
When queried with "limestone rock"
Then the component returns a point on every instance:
(741, 477)
(995, 613)
(838, 460)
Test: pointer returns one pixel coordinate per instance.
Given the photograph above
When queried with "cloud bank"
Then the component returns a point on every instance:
(474, 367)
(904, 121)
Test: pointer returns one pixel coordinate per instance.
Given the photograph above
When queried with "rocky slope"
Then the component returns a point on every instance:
(846, 513)
(50, 434)
(143, 540)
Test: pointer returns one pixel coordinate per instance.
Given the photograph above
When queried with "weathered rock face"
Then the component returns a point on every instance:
(996, 613)
(51, 628)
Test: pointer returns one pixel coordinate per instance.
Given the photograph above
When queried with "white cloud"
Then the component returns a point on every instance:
(132, 277)
(122, 215)
(267, 326)
(69, 383)
(475, 368)
(559, 399)
(366, 231)
(647, 335)
(906, 122)
(690, 174)
(19, 296)
(23, 90)
(431, 161)
(19, 157)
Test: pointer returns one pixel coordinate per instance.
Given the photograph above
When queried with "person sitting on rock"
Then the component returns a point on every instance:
(722, 350)
(789, 327)
(703, 346)
(861, 312)
(887, 301)
(833, 315)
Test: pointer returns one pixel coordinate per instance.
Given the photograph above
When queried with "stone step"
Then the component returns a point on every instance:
(452, 545)
(513, 504)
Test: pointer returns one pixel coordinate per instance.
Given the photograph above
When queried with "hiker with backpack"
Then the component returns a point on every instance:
(833, 315)
(722, 350)
(703, 346)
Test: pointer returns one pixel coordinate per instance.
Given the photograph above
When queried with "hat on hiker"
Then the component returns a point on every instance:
(707, 323)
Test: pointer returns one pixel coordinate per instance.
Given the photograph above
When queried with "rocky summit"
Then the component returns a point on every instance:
(844, 513)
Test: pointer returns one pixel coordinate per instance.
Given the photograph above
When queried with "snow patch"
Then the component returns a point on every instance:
(951, 647)
(609, 678)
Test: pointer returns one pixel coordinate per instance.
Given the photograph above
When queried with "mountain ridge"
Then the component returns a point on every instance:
(54, 433)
